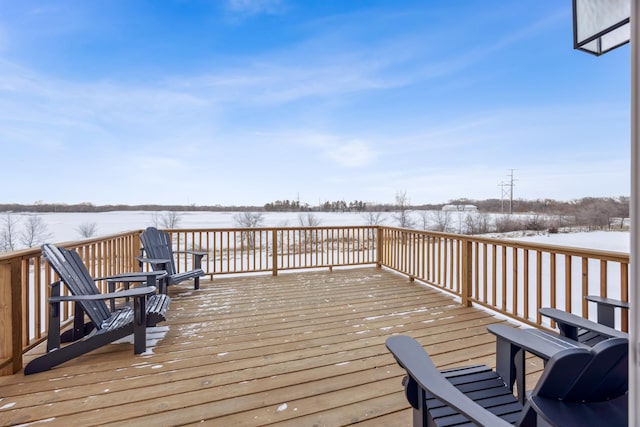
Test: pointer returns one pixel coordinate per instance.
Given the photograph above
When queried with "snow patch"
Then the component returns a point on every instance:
(155, 334)
(282, 407)
(48, 420)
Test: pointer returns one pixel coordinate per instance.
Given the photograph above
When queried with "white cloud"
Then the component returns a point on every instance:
(352, 154)
(255, 7)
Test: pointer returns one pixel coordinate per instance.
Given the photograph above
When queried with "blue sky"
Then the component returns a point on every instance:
(243, 102)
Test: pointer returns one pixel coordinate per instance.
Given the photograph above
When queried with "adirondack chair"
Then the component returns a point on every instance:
(578, 387)
(104, 326)
(157, 247)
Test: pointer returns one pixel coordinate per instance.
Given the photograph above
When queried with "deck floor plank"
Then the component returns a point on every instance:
(301, 348)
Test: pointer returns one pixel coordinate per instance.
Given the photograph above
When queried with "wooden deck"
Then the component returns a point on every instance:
(299, 349)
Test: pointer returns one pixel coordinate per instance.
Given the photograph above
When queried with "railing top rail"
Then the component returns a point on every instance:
(545, 247)
(568, 250)
(229, 229)
(69, 244)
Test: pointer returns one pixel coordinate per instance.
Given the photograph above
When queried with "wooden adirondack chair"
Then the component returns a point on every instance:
(104, 326)
(579, 387)
(158, 252)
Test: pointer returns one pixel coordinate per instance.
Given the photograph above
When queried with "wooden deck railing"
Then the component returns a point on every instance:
(238, 250)
(511, 278)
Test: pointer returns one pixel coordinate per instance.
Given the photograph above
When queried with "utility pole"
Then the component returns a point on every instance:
(507, 191)
(511, 185)
(503, 192)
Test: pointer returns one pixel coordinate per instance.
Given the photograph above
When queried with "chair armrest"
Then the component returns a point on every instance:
(535, 341)
(136, 292)
(569, 323)
(607, 301)
(153, 260)
(132, 276)
(416, 361)
(197, 257)
(606, 308)
(197, 253)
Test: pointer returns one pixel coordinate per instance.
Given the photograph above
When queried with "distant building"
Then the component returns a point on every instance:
(460, 208)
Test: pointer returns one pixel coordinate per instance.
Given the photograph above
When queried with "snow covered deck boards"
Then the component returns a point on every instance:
(297, 349)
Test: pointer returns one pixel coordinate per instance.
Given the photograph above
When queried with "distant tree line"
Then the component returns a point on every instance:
(286, 206)
(89, 207)
(596, 210)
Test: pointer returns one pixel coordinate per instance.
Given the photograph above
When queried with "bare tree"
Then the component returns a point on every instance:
(441, 219)
(155, 219)
(308, 220)
(9, 233)
(87, 229)
(476, 223)
(35, 231)
(248, 220)
(424, 216)
(402, 214)
(507, 223)
(169, 219)
(373, 218)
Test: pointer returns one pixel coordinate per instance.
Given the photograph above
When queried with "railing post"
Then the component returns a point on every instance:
(379, 240)
(274, 252)
(467, 272)
(10, 317)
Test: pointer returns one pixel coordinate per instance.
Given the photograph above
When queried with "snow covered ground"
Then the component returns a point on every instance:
(63, 227)
(617, 241)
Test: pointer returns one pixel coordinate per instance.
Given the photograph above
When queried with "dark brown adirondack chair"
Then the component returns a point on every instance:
(579, 387)
(158, 252)
(104, 325)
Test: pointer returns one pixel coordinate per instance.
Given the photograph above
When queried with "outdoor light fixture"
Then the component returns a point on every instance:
(600, 25)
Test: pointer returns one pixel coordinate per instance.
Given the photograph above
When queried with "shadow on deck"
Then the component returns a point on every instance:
(299, 349)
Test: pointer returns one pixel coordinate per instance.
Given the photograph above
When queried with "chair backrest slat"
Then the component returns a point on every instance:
(157, 245)
(587, 375)
(607, 374)
(72, 271)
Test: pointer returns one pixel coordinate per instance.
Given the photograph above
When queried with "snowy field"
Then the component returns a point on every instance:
(616, 241)
(64, 227)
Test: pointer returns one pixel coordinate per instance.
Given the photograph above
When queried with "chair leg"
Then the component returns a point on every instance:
(139, 326)
(71, 351)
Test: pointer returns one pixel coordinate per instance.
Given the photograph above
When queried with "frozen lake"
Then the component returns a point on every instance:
(63, 227)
